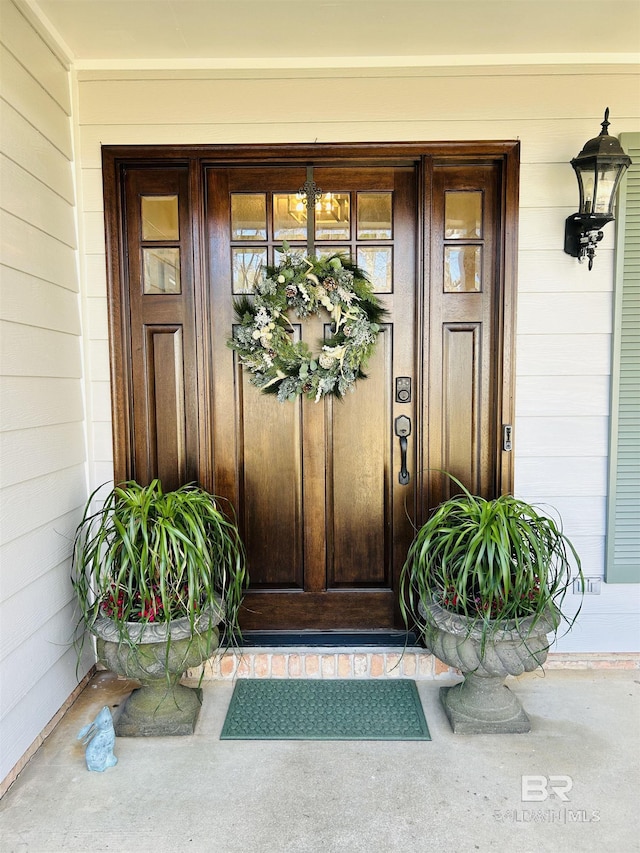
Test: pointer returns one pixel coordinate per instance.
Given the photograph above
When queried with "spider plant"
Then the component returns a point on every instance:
(493, 561)
(148, 556)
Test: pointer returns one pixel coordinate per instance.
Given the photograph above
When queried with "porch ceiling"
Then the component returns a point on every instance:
(281, 33)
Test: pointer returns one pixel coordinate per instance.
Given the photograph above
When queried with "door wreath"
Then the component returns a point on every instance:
(306, 285)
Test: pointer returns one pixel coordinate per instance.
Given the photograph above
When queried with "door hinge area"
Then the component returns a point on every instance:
(507, 437)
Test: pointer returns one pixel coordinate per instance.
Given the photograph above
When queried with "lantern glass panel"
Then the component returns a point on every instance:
(605, 188)
(585, 184)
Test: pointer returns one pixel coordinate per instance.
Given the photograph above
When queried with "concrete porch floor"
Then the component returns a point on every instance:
(452, 795)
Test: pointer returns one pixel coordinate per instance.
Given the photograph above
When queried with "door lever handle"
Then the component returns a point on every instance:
(403, 429)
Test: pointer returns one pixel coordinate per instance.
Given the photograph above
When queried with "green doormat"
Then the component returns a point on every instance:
(292, 709)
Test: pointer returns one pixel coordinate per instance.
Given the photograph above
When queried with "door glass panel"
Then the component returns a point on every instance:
(160, 217)
(462, 215)
(247, 263)
(333, 217)
(329, 251)
(462, 269)
(374, 216)
(289, 217)
(248, 216)
(376, 262)
(161, 270)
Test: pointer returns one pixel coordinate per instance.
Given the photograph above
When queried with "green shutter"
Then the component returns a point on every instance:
(623, 523)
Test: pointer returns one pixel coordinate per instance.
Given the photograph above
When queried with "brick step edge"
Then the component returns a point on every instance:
(341, 663)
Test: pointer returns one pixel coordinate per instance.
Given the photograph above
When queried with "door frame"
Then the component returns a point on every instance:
(117, 158)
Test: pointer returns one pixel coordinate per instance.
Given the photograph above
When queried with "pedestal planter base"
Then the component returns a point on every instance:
(483, 706)
(160, 710)
(161, 706)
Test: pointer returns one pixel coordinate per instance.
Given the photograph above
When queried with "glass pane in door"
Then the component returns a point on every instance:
(160, 217)
(161, 271)
(374, 216)
(462, 215)
(333, 217)
(248, 216)
(247, 265)
(289, 217)
(462, 269)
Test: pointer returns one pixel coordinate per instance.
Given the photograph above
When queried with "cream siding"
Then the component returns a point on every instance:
(42, 446)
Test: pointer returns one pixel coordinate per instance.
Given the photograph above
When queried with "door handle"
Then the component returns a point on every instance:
(403, 429)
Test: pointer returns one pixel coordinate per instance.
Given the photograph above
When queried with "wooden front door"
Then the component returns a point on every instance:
(325, 516)
(316, 484)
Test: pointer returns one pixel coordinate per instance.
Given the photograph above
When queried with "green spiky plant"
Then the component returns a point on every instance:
(148, 556)
(492, 561)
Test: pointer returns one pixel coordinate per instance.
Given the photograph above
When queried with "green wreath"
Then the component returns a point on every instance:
(305, 286)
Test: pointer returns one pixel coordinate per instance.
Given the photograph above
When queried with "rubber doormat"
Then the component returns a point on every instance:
(341, 709)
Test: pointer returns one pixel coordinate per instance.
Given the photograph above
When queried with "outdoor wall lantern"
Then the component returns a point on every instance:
(599, 167)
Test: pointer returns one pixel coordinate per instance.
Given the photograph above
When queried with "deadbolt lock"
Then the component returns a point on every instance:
(403, 389)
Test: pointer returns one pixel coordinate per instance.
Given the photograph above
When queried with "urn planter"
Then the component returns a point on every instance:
(482, 703)
(484, 581)
(157, 658)
(159, 578)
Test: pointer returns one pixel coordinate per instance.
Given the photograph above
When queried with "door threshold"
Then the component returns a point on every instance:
(329, 639)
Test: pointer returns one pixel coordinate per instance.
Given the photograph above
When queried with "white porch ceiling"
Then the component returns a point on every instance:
(281, 33)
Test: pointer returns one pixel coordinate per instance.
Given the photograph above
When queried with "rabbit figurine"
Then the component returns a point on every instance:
(99, 737)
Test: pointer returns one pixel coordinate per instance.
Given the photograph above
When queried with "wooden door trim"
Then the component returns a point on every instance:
(117, 158)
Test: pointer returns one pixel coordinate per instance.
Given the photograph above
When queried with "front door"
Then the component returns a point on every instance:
(323, 515)
(324, 512)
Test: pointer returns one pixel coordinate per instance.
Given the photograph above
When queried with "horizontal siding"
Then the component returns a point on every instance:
(549, 355)
(42, 701)
(102, 441)
(29, 148)
(27, 198)
(24, 614)
(95, 274)
(552, 271)
(42, 434)
(101, 401)
(550, 396)
(27, 248)
(582, 515)
(541, 477)
(27, 95)
(19, 37)
(32, 351)
(27, 505)
(380, 99)
(549, 436)
(34, 401)
(29, 453)
(36, 553)
(34, 302)
(558, 313)
(543, 228)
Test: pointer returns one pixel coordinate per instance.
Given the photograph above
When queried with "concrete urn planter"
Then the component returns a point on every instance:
(482, 703)
(161, 705)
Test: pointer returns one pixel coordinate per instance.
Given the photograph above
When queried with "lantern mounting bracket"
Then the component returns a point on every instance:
(582, 233)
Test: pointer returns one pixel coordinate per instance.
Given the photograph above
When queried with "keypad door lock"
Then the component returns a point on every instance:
(403, 389)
